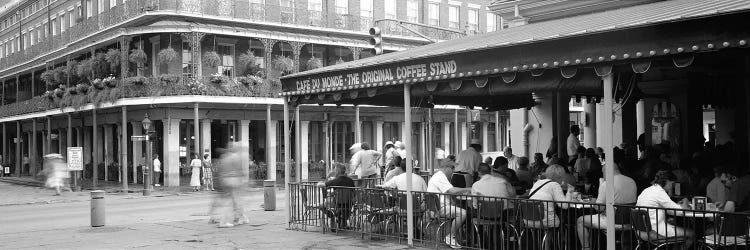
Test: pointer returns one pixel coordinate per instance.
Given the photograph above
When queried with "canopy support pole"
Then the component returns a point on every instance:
(358, 125)
(409, 165)
(287, 159)
(610, 164)
(456, 135)
(297, 146)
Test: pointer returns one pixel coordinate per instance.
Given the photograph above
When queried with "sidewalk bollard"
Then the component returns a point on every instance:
(269, 195)
(97, 208)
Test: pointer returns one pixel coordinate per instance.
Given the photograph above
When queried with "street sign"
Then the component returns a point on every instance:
(475, 116)
(139, 138)
(75, 158)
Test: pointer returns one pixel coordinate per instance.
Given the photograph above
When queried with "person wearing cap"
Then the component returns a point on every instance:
(388, 154)
(399, 181)
(468, 161)
(492, 183)
(439, 183)
(364, 161)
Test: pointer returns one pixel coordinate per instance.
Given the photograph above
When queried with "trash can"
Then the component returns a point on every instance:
(97, 208)
(269, 195)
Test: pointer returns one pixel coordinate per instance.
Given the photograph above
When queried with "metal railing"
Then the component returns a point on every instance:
(480, 222)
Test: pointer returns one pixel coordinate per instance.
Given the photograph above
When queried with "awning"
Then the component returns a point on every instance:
(559, 54)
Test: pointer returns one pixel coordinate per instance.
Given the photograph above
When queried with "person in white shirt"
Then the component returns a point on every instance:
(467, 163)
(512, 159)
(716, 191)
(157, 170)
(549, 189)
(364, 161)
(195, 173)
(440, 184)
(492, 183)
(399, 182)
(573, 143)
(656, 196)
(625, 193)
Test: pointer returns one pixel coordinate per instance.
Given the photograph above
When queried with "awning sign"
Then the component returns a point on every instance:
(374, 76)
(75, 158)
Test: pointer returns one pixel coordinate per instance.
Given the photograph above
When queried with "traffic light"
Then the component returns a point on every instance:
(376, 40)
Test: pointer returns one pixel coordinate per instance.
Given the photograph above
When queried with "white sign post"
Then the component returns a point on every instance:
(75, 159)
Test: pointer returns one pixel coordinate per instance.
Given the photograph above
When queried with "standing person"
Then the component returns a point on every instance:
(232, 173)
(512, 159)
(157, 170)
(467, 163)
(208, 175)
(195, 173)
(387, 155)
(400, 149)
(364, 162)
(56, 171)
(573, 143)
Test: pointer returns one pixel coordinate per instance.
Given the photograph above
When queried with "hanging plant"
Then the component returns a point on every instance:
(82, 88)
(283, 64)
(99, 65)
(49, 94)
(83, 69)
(314, 63)
(48, 77)
(110, 81)
(71, 68)
(60, 77)
(167, 55)
(113, 57)
(247, 60)
(211, 59)
(98, 84)
(72, 90)
(59, 92)
(137, 56)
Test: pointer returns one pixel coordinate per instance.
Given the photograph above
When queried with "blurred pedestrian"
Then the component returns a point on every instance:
(157, 170)
(56, 171)
(364, 160)
(208, 173)
(195, 173)
(232, 180)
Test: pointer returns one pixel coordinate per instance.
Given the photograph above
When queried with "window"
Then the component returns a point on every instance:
(315, 5)
(453, 17)
(342, 7)
(433, 10)
(62, 23)
(79, 10)
(112, 3)
(38, 34)
(155, 48)
(226, 53)
(187, 60)
(100, 6)
(2, 50)
(54, 26)
(71, 18)
(286, 3)
(412, 11)
(473, 19)
(32, 39)
(390, 9)
(491, 22)
(89, 8)
(287, 11)
(365, 11)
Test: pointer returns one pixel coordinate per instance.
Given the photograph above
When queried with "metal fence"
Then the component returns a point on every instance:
(479, 222)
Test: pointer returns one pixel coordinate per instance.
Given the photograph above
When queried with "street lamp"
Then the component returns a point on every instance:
(149, 172)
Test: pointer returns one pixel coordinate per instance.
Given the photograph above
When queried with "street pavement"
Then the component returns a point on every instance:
(32, 218)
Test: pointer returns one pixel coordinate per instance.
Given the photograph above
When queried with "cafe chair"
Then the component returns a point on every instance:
(492, 218)
(623, 226)
(646, 236)
(731, 232)
(433, 216)
(533, 216)
(402, 213)
(314, 205)
(375, 209)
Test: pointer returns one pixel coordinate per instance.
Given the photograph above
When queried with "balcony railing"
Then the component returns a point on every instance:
(149, 87)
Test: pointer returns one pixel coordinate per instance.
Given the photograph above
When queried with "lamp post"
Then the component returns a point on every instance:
(148, 173)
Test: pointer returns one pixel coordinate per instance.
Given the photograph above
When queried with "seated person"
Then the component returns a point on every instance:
(656, 196)
(716, 190)
(342, 199)
(549, 189)
(624, 192)
(525, 176)
(492, 183)
(501, 167)
(395, 168)
(399, 181)
(440, 184)
(738, 198)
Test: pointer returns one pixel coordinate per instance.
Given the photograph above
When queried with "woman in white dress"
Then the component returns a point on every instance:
(195, 177)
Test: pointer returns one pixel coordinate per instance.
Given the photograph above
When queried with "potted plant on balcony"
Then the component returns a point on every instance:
(113, 57)
(135, 80)
(110, 81)
(48, 77)
(83, 69)
(138, 56)
(250, 80)
(72, 90)
(49, 94)
(83, 87)
(211, 59)
(169, 79)
(247, 61)
(59, 92)
(60, 76)
(97, 84)
(100, 66)
(314, 63)
(167, 55)
(283, 64)
(216, 78)
(70, 70)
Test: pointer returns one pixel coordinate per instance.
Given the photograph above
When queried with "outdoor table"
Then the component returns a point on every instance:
(568, 217)
(695, 220)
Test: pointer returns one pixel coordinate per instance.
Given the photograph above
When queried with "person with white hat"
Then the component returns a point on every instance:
(388, 153)
(468, 161)
(364, 160)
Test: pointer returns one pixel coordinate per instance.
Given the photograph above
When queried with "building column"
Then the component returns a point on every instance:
(98, 148)
(589, 126)
(542, 123)
(561, 122)
(379, 135)
(297, 145)
(423, 145)
(61, 146)
(137, 150)
(498, 133)
(196, 133)
(206, 137)
(608, 149)
(446, 127)
(171, 158)
(640, 117)
(465, 133)
(5, 143)
(108, 148)
(305, 155)
(124, 147)
(357, 125)
(19, 157)
(48, 137)
(485, 138)
(87, 148)
(245, 143)
(456, 134)
(28, 145)
(33, 152)
(270, 145)
(617, 124)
